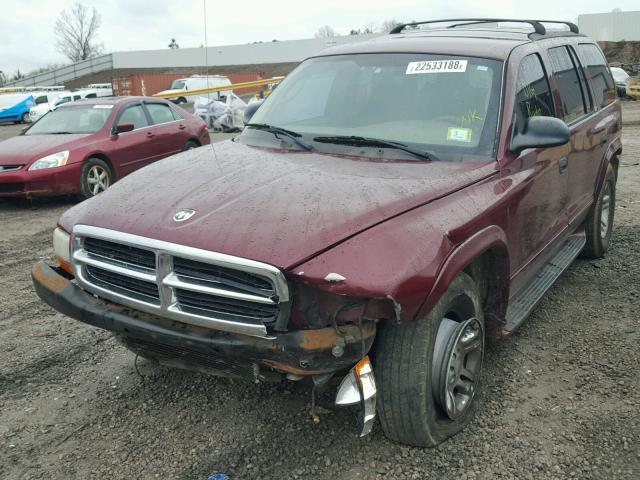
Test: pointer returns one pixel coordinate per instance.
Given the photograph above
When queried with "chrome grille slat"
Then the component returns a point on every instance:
(182, 283)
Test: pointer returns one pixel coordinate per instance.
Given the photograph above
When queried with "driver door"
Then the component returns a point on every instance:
(538, 217)
(132, 150)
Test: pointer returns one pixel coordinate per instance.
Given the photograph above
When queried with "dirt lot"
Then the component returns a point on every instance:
(561, 398)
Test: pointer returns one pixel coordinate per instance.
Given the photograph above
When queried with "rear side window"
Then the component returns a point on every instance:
(568, 83)
(602, 83)
(533, 95)
(41, 99)
(159, 113)
(135, 115)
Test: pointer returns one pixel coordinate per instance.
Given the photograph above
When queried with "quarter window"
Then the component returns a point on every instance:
(135, 115)
(568, 83)
(533, 95)
(601, 81)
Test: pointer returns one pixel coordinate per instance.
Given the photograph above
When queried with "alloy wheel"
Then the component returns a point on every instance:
(605, 211)
(97, 179)
(457, 363)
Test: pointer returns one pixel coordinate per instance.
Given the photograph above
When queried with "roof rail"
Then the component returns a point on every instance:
(536, 24)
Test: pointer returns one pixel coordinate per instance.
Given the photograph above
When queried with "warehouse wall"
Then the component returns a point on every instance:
(611, 27)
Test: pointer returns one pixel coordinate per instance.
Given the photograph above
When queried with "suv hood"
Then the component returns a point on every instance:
(24, 149)
(278, 207)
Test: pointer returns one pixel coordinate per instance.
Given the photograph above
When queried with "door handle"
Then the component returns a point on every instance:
(150, 135)
(563, 164)
(181, 127)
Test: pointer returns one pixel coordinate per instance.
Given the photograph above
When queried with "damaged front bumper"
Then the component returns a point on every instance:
(298, 353)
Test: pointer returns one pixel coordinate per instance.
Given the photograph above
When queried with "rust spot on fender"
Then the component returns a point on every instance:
(284, 367)
(49, 278)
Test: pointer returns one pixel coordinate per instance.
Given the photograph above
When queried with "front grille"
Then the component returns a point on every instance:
(182, 283)
(124, 255)
(200, 304)
(130, 287)
(11, 187)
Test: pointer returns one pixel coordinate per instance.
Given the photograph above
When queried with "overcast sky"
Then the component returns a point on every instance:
(27, 26)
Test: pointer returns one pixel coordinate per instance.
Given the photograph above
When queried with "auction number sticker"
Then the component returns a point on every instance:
(437, 66)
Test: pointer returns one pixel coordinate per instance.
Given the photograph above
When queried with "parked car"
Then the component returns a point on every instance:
(43, 103)
(621, 77)
(390, 207)
(14, 107)
(183, 86)
(83, 147)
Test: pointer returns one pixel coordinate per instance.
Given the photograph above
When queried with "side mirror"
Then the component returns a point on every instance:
(122, 128)
(251, 110)
(540, 132)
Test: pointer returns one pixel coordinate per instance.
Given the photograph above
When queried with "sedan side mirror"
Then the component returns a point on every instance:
(540, 132)
(122, 128)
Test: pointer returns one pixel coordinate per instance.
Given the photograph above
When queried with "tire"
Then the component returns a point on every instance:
(599, 223)
(95, 178)
(25, 118)
(181, 101)
(190, 145)
(411, 379)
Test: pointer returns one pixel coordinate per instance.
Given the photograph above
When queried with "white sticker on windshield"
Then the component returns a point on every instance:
(437, 66)
(103, 106)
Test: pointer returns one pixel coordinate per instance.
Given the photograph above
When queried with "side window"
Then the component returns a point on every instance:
(134, 114)
(568, 83)
(76, 97)
(586, 94)
(41, 99)
(533, 95)
(159, 113)
(92, 95)
(601, 81)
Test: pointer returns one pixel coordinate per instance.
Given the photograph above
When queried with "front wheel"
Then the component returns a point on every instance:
(26, 118)
(599, 223)
(95, 178)
(428, 371)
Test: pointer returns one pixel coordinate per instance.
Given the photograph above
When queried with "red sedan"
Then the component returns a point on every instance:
(83, 147)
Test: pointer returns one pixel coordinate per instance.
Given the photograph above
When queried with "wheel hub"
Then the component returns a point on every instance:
(98, 179)
(457, 361)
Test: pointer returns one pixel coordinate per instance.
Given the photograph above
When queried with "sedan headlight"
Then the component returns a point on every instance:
(51, 161)
(61, 240)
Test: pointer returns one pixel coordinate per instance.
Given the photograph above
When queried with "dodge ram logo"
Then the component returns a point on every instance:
(184, 214)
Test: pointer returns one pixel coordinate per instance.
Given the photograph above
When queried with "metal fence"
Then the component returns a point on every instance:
(65, 74)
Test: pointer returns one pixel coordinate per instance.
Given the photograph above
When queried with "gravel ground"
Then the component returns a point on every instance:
(561, 397)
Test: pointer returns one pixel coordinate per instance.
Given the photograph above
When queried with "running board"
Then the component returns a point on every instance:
(521, 306)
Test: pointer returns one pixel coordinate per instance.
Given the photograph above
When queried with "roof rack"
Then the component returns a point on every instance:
(536, 24)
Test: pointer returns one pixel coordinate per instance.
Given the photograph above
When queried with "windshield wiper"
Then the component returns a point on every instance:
(282, 131)
(59, 133)
(376, 142)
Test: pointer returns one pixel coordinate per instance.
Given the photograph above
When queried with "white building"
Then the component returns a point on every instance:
(611, 27)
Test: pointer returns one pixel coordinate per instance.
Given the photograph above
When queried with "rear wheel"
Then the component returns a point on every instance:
(191, 145)
(429, 371)
(26, 118)
(599, 223)
(181, 101)
(95, 178)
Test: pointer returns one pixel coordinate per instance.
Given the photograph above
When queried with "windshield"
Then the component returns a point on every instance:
(443, 104)
(177, 85)
(72, 119)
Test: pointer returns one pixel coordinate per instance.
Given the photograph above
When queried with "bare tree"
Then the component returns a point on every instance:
(325, 32)
(76, 31)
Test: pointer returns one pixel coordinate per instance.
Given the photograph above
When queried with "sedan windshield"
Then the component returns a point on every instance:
(445, 105)
(72, 119)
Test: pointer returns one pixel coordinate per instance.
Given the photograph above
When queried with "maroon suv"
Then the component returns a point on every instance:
(392, 206)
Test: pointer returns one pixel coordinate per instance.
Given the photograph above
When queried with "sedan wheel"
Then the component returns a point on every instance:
(96, 177)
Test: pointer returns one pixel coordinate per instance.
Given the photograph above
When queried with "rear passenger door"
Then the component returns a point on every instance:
(602, 127)
(575, 107)
(170, 134)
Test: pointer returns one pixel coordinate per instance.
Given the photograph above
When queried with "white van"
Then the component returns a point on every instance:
(183, 86)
